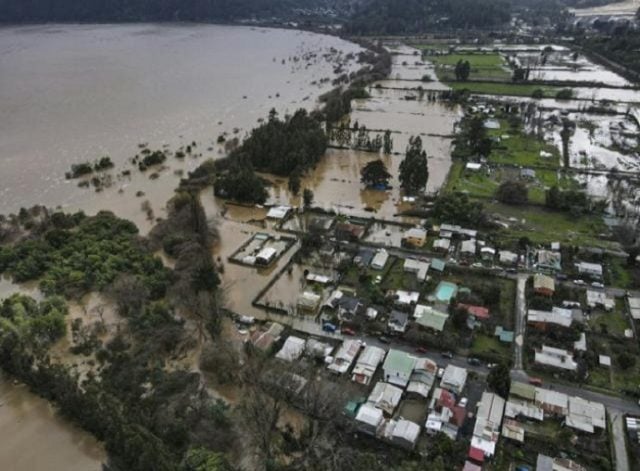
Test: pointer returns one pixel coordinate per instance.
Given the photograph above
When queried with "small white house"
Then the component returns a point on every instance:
(380, 259)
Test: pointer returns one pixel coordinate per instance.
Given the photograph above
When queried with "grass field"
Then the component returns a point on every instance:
(484, 346)
(509, 89)
(489, 66)
(522, 149)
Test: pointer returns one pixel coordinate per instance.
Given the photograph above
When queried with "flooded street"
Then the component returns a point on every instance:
(34, 438)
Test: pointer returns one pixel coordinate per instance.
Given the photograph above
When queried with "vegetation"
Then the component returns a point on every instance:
(513, 192)
(375, 174)
(457, 208)
(499, 380)
(505, 88)
(87, 168)
(414, 171)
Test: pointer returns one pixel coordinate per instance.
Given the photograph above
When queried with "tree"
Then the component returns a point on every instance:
(513, 192)
(307, 198)
(387, 146)
(499, 380)
(462, 70)
(294, 183)
(626, 360)
(375, 174)
(457, 208)
(414, 171)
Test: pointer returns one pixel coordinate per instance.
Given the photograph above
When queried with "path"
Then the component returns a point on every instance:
(521, 312)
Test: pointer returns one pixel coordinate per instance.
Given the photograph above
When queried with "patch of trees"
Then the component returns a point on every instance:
(375, 174)
(238, 181)
(72, 256)
(416, 16)
(457, 208)
(575, 201)
(462, 70)
(150, 158)
(414, 171)
(513, 192)
(87, 168)
(472, 140)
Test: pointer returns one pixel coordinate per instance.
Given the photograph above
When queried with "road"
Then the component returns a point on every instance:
(619, 444)
(521, 322)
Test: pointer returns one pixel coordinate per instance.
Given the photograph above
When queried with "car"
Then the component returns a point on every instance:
(384, 339)
(448, 355)
(440, 373)
(561, 277)
(578, 282)
(421, 350)
(535, 381)
(477, 265)
(473, 361)
(597, 284)
(491, 365)
(329, 327)
(348, 331)
(463, 402)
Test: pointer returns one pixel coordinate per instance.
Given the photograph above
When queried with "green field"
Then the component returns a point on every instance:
(522, 149)
(484, 66)
(497, 88)
(485, 347)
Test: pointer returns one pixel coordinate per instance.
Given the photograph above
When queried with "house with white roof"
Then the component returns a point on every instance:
(441, 245)
(586, 415)
(380, 259)
(385, 397)
(454, 379)
(345, 356)
(418, 267)
(397, 367)
(406, 298)
(486, 431)
(367, 364)
(507, 258)
(369, 419)
(592, 270)
(557, 317)
(292, 349)
(402, 432)
(556, 357)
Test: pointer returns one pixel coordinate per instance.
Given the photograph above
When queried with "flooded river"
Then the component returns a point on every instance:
(34, 438)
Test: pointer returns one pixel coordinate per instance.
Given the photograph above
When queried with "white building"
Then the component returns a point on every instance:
(508, 258)
(555, 357)
(266, 256)
(402, 432)
(385, 397)
(486, 431)
(406, 298)
(292, 349)
(380, 259)
(593, 270)
(454, 379)
(369, 419)
(586, 415)
(600, 299)
(416, 266)
(367, 364)
(557, 316)
(347, 352)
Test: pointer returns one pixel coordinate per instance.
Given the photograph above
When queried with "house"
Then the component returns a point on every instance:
(266, 256)
(527, 174)
(512, 430)
(397, 367)
(546, 463)
(364, 257)
(385, 397)
(317, 278)
(380, 259)
(416, 266)
(469, 466)
(318, 349)
(278, 212)
(309, 302)
(543, 285)
(555, 357)
(580, 345)
(486, 431)
(478, 312)
(552, 402)
(548, 260)
(487, 253)
(600, 299)
(345, 356)
(522, 391)
(348, 306)
(423, 376)
(592, 270)
(557, 317)
(438, 265)
(448, 230)
(406, 298)
(292, 349)
(367, 364)
(586, 416)
(468, 248)
(507, 258)
(445, 416)
(349, 232)
(441, 245)
(430, 318)
(398, 322)
(414, 237)
(454, 379)
(402, 432)
(263, 340)
(634, 307)
(369, 419)
(503, 335)
(516, 408)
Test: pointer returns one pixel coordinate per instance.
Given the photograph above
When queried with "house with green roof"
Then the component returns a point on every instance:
(430, 318)
(397, 367)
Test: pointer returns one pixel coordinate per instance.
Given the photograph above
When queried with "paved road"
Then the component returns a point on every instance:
(619, 443)
(521, 322)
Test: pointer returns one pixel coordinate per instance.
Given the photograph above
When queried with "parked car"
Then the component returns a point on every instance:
(348, 331)
(579, 282)
(535, 381)
(378, 280)
(448, 355)
(561, 276)
(384, 339)
(440, 372)
(597, 284)
(329, 327)
(473, 361)
(463, 402)
(421, 350)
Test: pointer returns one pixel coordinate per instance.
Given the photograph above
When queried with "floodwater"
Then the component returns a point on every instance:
(34, 438)
(623, 8)
(73, 93)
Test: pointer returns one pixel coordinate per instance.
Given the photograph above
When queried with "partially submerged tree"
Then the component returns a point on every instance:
(414, 171)
(375, 174)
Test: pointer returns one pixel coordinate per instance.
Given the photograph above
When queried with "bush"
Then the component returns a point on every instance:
(513, 192)
(537, 94)
(564, 94)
